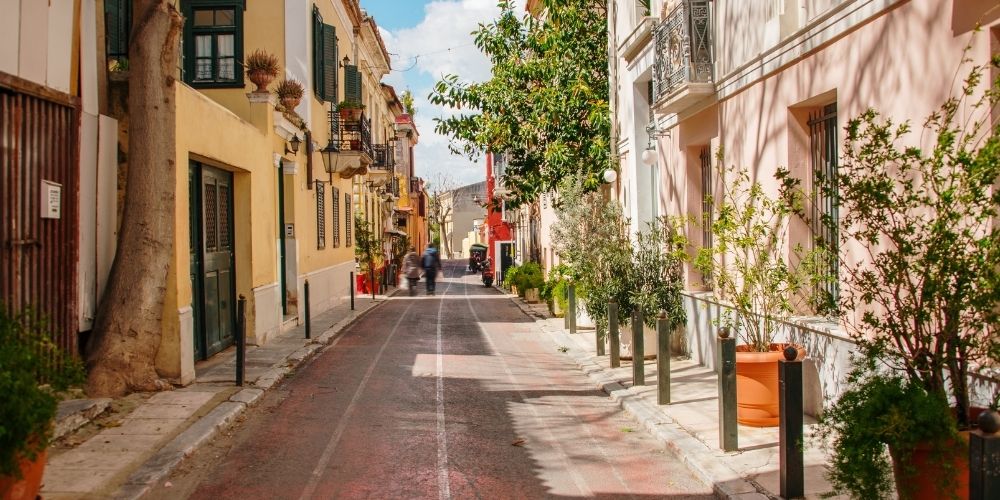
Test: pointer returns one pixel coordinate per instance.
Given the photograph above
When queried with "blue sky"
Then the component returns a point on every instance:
(427, 39)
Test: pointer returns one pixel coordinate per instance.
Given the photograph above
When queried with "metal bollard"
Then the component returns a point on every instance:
(638, 353)
(726, 362)
(241, 339)
(613, 332)
(371, 282)
(791, 464)
(572, 308)
(308, 333)
(984, 458)
(599, 335)
(351, 289)
(663, 360)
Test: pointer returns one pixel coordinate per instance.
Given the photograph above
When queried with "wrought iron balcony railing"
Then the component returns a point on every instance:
(352, 133)
(683, 45)
(383, 157)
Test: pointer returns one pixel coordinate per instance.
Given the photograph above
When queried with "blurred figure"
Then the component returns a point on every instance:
(431, 262)
(411, 269)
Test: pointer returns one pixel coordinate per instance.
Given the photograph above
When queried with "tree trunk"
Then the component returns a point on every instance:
(122, 350)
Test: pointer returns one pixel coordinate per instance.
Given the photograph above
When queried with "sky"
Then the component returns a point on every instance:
(427, 39)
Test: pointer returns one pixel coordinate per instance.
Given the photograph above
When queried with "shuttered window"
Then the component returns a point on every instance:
(352, 84)
(348, 221)
(320, 216)
(336, 218)
(324, 59)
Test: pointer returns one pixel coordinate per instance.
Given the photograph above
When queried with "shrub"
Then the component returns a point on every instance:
(529, 275)
(33, 371)
(260, 60)
(510, 277)
(290, 88)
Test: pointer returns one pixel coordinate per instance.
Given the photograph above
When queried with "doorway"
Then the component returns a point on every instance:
(213, 283)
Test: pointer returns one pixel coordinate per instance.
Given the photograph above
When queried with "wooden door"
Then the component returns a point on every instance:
(212, 260)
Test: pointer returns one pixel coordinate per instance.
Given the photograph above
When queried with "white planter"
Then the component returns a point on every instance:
(648, 342)
(583, 319)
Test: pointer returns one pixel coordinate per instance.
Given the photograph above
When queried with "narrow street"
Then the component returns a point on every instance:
(456, 395)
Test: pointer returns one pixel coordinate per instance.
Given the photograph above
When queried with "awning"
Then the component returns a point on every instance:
(403, 209)
(396, 232)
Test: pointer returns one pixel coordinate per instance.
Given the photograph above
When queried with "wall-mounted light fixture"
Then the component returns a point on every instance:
(610, 175)
(293, 145)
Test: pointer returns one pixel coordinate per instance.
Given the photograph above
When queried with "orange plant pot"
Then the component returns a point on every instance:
(932, 477)
(28, 486)
(757, 385)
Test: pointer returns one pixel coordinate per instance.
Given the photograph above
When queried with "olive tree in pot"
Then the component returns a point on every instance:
(32, 372)
(759, 286)
(923, 298)
(655, 276)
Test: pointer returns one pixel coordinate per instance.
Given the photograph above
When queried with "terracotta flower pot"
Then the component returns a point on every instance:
(929, 476)
(28, 487)
(350, 114)
(261, 79)
(757, 385)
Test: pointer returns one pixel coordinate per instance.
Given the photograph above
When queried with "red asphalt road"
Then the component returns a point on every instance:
(456, 395)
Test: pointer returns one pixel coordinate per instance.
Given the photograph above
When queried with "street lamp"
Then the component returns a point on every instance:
(610, 175)
(293, 145)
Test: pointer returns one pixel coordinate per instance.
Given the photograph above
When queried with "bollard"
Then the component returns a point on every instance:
(308, 333)
(984, 458)
(613, 340)
(572, 308)
(371, 282)
(662, 360)
(351, 288)
(638, 353)
(726, 363)
(599, 335)
(790, 460)
(241, 339)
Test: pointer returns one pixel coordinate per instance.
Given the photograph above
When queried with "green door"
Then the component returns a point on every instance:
(213, 282)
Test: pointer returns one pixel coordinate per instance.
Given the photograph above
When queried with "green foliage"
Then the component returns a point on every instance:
(367, 245)
(407, 101)
(656, 274)
(879, 411)
(746, 265)
(33, 371)
(510, 277)
(350, 104)
(545, 107)
(529, 275)
(928, 294)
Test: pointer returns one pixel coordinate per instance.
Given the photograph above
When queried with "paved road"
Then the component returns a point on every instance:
(456, 395)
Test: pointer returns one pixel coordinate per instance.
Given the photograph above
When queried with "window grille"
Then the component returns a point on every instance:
(825, 203)
(320, 215)
(707, 203)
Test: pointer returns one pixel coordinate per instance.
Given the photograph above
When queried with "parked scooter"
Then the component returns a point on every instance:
(487, 268)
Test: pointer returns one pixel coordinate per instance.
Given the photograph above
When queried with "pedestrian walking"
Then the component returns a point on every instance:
(412, 269)
(431, 262)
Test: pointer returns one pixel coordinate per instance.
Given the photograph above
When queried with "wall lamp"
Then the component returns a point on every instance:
(293, 145)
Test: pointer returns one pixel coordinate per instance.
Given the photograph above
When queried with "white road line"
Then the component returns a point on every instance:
(324, 459)
(444, 484)
(578, 480)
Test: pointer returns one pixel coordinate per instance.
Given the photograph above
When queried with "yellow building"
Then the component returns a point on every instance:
(266, 192)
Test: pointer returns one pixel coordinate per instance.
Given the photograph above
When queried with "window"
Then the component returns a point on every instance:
(348, 221)
(325, 59)
(213, 43)
(336, 218)
(824, 216)
(117, 24)
(352, 84)
(320, 215)
(707, 204)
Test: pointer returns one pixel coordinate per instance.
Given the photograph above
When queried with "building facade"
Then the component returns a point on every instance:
(700, 84)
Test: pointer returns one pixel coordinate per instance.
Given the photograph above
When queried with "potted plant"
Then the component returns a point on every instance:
(350, 110)
(656, 276)
(262, 69)
(760, 287)
(290, 93)
(924, 299)
(34, 371)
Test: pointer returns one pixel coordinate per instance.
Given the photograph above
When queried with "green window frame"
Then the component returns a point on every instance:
(213, 43)
(325, 58)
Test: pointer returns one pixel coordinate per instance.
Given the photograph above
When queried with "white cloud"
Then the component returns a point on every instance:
(442, 43)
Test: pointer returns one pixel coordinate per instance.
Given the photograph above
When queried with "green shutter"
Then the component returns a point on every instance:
(352, 83)
(329, 63)
(317, 46)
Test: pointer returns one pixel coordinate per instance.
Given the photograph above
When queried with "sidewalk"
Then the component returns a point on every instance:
(133, 453)
(690, 424)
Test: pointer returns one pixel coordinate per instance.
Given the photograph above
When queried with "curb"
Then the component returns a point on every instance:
(726, 483)
(163, 463)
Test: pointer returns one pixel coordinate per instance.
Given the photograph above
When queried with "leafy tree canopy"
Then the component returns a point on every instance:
(546, 105)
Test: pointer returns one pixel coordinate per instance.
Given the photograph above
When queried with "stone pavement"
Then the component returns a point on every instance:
(689, 425)
(129, 455)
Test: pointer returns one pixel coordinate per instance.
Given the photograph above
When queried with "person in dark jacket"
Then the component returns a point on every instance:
(431, 262)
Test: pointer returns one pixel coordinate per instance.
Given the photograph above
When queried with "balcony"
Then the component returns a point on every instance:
(350, 149)
(683, 66)
(383, 160)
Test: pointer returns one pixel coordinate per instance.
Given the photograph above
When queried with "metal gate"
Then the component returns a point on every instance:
(39, 251)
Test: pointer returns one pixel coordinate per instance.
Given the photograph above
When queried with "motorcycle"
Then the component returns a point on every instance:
(487, 268)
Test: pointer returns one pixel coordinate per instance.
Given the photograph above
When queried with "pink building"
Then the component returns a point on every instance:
(773, 84)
